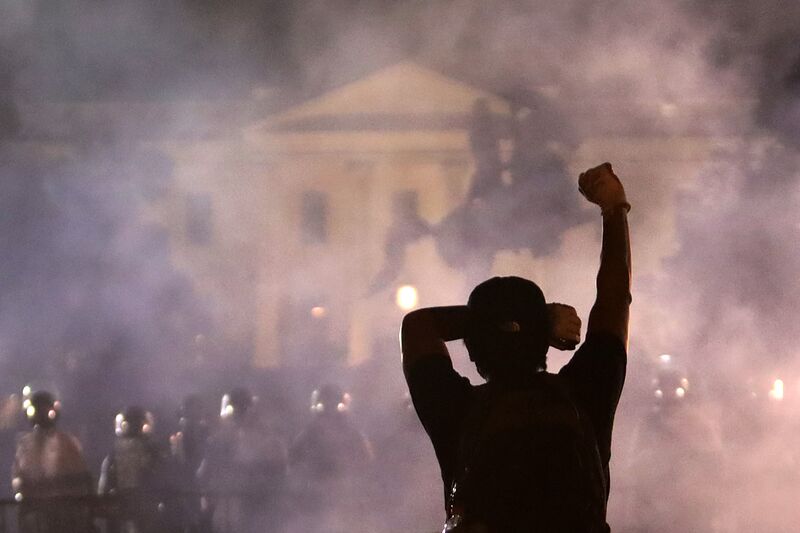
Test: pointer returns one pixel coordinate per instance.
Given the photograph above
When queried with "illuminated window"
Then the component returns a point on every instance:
(314, 217)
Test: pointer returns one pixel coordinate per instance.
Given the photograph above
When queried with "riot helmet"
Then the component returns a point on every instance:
(772, 390)
(236, 404)
(41, 409)
(191, 414)
(134, 422)
(330, 399)
(670, 385)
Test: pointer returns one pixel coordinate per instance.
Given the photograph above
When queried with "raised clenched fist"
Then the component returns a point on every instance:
(602, 187)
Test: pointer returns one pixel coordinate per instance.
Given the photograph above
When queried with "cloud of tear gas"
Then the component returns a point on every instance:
(713, 217)
(696, 103)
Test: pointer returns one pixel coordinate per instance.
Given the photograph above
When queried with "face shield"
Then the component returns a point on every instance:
(236, 404)
(134, 422)
(41, 409)
(330, 399)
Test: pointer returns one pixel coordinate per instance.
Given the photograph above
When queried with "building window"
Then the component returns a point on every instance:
(198, 219)
(314, 217)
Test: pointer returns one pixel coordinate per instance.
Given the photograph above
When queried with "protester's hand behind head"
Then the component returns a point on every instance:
(602, 187)
(565, 326)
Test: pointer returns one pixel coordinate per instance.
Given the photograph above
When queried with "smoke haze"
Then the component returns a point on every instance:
(91, 299)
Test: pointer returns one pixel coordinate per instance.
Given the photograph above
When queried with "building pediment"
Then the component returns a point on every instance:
(404, 96)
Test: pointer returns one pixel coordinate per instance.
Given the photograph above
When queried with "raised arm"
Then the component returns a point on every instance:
(610, 312)
(425, 331)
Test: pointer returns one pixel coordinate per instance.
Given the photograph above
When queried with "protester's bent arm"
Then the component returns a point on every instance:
(610, 313)
(425, 331)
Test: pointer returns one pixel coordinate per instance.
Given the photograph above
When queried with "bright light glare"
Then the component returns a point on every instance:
(680, 392)
(318, 312)
(407, 297)
(776, 392)
(665, 358)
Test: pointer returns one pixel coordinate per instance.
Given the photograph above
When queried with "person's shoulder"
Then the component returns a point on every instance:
(439, 393)
(598, 347)
(434, 366)
(602, 354)
(481, 390)
(64, 438)
(605, 342)
(25, 436)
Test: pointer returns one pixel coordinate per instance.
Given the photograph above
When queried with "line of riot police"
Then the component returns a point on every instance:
(235, 473)
(686, 458)
(706, 453)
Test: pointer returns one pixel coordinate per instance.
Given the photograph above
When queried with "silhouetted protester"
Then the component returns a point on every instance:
(330, 461)
(187, 451)
(528, 450)
(136, 474)
(188, 444)
(50, 476)
(676, 460)
(245, 469)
